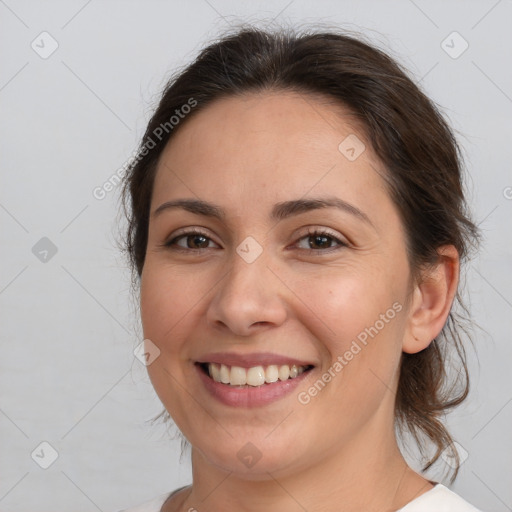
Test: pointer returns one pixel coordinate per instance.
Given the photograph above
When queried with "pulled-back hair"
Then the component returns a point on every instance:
(421, 158)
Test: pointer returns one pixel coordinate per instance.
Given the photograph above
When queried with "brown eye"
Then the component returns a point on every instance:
(320, 241)
(191, 240)
(197, 241)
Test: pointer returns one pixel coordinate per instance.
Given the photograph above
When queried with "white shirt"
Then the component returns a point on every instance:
(438, 499)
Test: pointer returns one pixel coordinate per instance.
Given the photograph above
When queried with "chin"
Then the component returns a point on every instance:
(250, 460)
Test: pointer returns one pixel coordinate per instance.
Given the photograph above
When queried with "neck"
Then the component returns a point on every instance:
(363, 475)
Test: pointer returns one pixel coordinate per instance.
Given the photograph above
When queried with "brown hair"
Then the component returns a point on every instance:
(423, 166)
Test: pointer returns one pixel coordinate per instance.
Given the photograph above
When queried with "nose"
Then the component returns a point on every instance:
(250, 298)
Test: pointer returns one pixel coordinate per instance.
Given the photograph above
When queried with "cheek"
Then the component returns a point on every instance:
(360, 330)
(166, 298)
(361, 318)
(166, 302)
(348, 300)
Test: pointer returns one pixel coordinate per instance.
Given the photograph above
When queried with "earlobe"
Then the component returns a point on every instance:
(432, 300)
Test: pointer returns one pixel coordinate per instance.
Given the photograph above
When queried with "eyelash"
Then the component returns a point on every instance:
(310, 233)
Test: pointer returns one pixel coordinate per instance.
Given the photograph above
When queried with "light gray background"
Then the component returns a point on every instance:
(68, 374)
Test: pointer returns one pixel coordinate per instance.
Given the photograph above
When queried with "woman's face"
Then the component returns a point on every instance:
(269, 279)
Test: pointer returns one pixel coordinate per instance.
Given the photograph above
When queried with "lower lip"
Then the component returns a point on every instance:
(249, 396)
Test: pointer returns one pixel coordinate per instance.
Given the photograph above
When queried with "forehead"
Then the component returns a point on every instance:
(247, 151)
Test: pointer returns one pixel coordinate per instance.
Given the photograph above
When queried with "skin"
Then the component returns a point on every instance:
(245, 154)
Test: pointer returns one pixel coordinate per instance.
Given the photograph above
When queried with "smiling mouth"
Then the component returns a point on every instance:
(252, 377)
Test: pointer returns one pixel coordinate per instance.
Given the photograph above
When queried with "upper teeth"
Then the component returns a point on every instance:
(255, 376)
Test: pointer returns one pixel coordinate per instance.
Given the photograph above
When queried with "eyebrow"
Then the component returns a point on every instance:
(279, 212)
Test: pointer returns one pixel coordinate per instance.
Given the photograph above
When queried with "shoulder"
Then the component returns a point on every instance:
(440, 499)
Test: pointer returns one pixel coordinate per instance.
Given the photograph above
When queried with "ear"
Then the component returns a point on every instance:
(431, 300)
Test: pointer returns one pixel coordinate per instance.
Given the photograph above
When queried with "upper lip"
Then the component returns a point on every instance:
(251, 360)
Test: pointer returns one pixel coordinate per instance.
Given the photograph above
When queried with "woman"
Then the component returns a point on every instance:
(297, 223)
